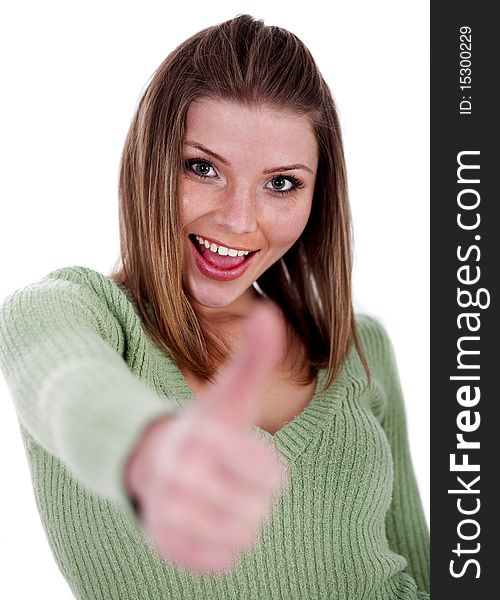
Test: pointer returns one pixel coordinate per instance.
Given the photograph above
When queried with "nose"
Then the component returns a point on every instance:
(237, 213)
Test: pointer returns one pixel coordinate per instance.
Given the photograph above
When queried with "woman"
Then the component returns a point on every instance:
(212, 420)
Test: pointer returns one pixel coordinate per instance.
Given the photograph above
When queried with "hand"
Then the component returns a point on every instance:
(203, 482)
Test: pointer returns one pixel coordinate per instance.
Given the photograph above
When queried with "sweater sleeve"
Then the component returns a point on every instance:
(73, 391)
(406, 527)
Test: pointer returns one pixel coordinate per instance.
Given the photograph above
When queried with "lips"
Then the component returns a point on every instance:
(215, 266)
(218, 260)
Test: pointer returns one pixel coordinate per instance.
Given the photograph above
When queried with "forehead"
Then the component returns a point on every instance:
(266, 133)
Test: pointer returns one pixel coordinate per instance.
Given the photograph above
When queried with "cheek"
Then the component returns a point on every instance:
(190, 206)
(285, 227)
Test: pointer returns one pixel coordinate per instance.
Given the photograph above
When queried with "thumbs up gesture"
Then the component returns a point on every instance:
(204, 484)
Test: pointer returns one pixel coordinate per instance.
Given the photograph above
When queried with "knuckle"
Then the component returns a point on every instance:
(175, 516)
(245, 537)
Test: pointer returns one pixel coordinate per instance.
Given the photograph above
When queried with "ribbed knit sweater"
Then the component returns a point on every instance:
(87, 379)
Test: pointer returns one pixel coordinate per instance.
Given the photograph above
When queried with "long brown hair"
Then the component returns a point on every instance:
(250, 63)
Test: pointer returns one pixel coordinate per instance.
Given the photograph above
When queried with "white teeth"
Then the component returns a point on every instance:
(222, 250)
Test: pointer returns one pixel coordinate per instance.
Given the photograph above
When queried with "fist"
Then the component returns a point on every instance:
(204, 483)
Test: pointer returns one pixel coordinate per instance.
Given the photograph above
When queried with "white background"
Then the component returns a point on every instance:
(70, 85)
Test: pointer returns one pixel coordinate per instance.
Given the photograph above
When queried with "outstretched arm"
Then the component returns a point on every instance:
(60, 353)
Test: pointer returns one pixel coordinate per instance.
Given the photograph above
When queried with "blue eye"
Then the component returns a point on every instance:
(206, 165)
(195, 161)
(296, 183)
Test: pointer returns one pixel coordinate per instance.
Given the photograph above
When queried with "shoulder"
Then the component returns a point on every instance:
(86, 278)
(77, 289)
(374, 336)
(385, 393)
(377, 345)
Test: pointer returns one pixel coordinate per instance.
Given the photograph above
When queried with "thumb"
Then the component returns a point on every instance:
(232, 398)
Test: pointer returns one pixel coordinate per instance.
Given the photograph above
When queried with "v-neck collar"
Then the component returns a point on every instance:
(295, 435)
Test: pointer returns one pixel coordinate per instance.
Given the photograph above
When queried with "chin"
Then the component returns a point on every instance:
(213, 296)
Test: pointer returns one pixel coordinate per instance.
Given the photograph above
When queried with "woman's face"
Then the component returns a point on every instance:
(247, 185)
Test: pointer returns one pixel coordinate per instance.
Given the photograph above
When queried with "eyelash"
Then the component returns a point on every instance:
(297, 183)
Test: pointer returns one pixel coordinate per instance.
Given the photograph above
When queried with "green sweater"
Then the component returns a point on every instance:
(86, 380)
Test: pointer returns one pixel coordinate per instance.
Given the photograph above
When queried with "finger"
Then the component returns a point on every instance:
(232, 398)
(227, 496)
(190, 553)
(256, 468)
(193, 519)
(202, 559)
(240, 458)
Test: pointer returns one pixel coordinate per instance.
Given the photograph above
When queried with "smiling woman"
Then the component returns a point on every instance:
(245, 153)
(212, 419)
(242, 204)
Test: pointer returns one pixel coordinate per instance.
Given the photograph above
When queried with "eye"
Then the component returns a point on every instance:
(199, 167)
(280, 181)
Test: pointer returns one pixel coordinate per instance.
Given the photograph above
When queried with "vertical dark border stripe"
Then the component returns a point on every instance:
(452, 133)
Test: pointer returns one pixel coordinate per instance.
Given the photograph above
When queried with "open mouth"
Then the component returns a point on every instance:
(222, 267)
(218, 260)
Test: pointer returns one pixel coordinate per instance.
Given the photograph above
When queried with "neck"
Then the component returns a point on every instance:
(228, 323)
(227, 316)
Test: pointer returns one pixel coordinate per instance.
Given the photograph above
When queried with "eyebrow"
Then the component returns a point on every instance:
(225, 162)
